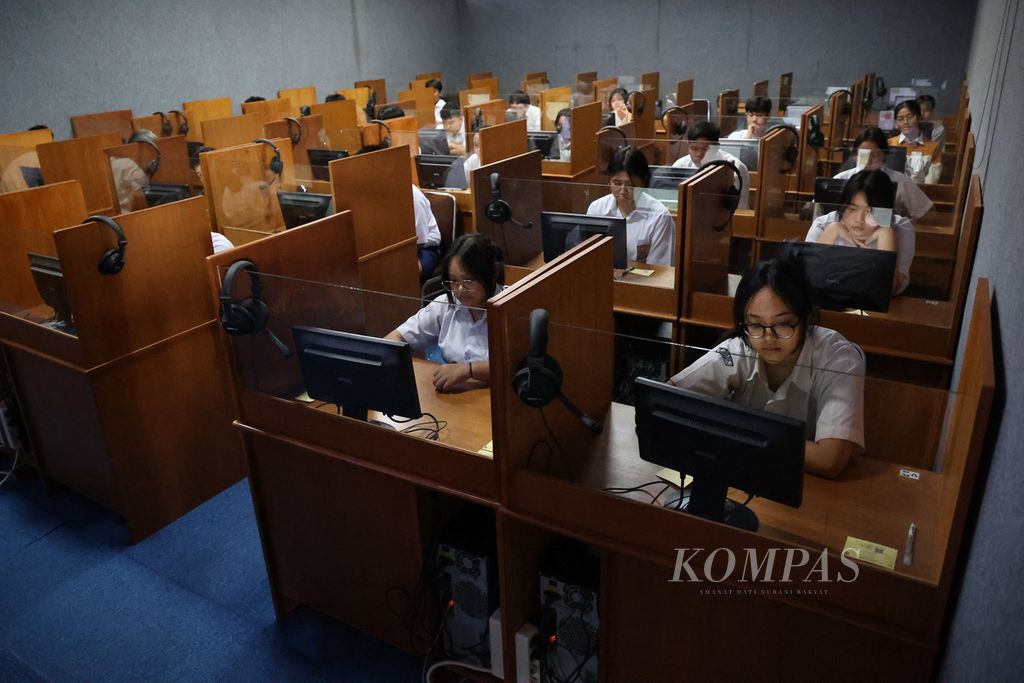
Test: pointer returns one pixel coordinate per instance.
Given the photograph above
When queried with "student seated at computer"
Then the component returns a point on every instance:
(924, 156)
(12, 177)
(759, 109)
(439, 104)
(703, 147)
(473, 160)
(777, 359)
(472, 273)
(650, 228)
(562, 147)
(428, 235)
(130, 180)
(618, 102)
(454, 128)
(519, 102)
(855, 225)
(911, 201)
(938, 131)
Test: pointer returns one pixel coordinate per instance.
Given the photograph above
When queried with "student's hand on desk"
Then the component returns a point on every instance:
(451, 376)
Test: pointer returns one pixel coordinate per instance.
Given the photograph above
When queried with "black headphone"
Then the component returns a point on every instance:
(498, 209)
(845, 110)
(152, 166)
(815, 138)
(297, 135)
(165, 124)
(276, 165)
(790, 153)
(182, 122)
(386, 142)
(371, 104)
(880, 91)
(678, 128)
(731, 198)
(478, 121)
(243, 316)
(112, 260)
(641, 103)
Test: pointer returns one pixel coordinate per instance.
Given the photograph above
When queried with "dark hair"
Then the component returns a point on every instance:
(390, 111)
(564, 113)
(519, 97)
(926, 99)
(481, 259)
(704, 130)
(633, 162)
(618, 91)
(788, 279)
(305, 110)
(39, 126)
(193, 160)
(449, 110)
(876, 186)
(335, 97)
(874, 135)
(256, 98)
(435, 84)
(912, 105)
(759, 105)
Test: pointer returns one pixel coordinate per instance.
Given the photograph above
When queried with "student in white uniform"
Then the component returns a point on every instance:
(428, 235)
(871, 148)
(454, 127)
(759, 109)
(438, 102)
(703, 147)
(519, 102)
(456, 321)
(777, 359)
(650, 228)
(618, 102)
(855, 226)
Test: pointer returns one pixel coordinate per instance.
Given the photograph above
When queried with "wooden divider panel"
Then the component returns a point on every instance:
(728, 110)
(492, 112)
(553, 100)
(807, 158)
(785, 92)
(651, 83)
(490, 83)
(643, 104)
(300, 97)
(310, 131)
(705, 252)
(760, 89)
(521, 188)
(684, 92)
(198, 111)
(272, 109)
(340, 123)
(602, 89)
(503, 141)
(378, 86)
(118, 121)
(585, 86)
(233, 130)
(82, 159)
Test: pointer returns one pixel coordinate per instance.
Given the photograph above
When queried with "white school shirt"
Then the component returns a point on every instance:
(450, 326)
(902, 228)
(472, 163)
(650, 221)
(920, 166)
(220, 242)
(825, 389)
(427, 232)
(740, 134)
(532, 118)
(910, 199)
(438, 106)
(715, 153)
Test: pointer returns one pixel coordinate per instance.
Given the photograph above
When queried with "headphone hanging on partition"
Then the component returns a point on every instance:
(182, 122)
(246, 316)
(815, 138)
(497, 209)
(276, 165)
(165, 124)
(847, 106)
(112, 260)
(297, 135)
(386, 142)
(678, 125)
(152, 167)
(731, 198)
(641, 101)
(790, 153)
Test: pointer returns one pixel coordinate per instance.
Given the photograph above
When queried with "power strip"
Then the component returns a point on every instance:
(527, 668)
(497, 659)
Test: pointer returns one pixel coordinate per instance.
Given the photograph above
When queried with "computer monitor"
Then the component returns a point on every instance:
(846, 277)
(358, 373)
(562, 231)
(744, 150)
(319, 158)
(895, 159)
(433, 141)
(720, 444)
(542, 140)
(32, 175)
(827, 194)
(433, 171)
(49, 278)
(158, 194)
(299, 208)
(669, 177)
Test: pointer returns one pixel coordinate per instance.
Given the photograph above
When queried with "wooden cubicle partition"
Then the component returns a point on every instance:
(82, 159)
(271, 109)
(651, 83)
(586, 121)
(300, 97)
(839, 108)
(198, 111)
(502, 141)
(490, 83)
(233, 130)
(643, 104)
(699, 110)
(584, 85)
(26, 139)
(521, 188)
(760, 89)
(479, 75)
(858, 118)
(609, 139)
(21, 147)
(360, 95)
(773, 181)
(472, 96)
(242, 191)
(27, 221)
(429, 75)
(806, 169)
(706, 235)
(377, 188)
(492, 112)
(135, 411)
(153, 123)
(602, 90)
(377, 85)
(553, 100)
(173, 168)
(533, 88)
(118, 121)
(728, 110)
(536, 75)
(785, 92)
(684, 92)
(309, 130)
(340, 124)
(425, 104)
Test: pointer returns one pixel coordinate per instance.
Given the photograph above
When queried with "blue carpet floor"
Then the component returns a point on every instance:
(190, 603)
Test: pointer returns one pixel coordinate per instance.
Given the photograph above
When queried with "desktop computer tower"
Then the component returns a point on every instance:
(569, 584)
(467, 576)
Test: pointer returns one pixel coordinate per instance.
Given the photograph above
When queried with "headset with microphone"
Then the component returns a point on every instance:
(246, 316)
(371, 105)
(731, 198)
(154, 165)
(478, 121)
(297, 135)
(676, 122)
(847, 107)
(538, 378)
(815, 138)
(165, 124)
(791, 151)
(385, 142)
(112, 260)
(498, 210)
(276, 165)
(182, 121)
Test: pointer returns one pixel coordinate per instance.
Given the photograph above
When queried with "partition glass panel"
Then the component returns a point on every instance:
(19, 168)
(33, 287)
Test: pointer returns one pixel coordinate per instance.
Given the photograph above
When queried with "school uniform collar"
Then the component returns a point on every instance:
(919, 140)
(800, 376)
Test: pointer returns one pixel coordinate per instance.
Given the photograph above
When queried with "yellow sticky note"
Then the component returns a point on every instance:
(672, 477)
(304, 397)
(642, 272)
(872, 553)
(487, 450)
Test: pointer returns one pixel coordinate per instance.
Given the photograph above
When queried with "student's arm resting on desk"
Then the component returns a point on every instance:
(457, 376)
(828, 457)
(839, 396)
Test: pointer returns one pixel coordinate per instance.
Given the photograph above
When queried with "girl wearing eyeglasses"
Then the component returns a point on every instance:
(456, 321)
(777, 359)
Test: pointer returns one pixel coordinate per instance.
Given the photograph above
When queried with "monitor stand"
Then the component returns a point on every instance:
(711, 502)
(357, 412)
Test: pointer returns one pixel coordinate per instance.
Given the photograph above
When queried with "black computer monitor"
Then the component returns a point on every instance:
(542, 140)
(846, 277)
(49, 278)
(358, 373)
(562, 231)
(32, 175)
(319, 158)
(433, 141)
(895, 159)
(744, 150)
(720, 444)
(433, 171)
(669, 177)
(158, 194)
(827, 194)
(299, 208)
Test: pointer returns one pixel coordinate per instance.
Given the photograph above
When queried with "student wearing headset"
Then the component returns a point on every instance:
(130, 180)
(650, 228)
(703, 147)
(777, 359)
(871, 148)
(456, 321)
